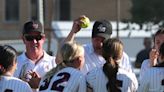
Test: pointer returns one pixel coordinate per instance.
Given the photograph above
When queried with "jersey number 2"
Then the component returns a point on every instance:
(55, 86)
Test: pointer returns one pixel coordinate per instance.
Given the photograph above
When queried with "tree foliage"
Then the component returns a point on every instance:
(144, 11)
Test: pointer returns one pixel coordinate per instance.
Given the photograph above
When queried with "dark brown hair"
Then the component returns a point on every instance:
(161, 52)
(7, 58)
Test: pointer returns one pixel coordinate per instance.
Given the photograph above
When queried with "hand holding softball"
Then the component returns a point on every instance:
(81, 22)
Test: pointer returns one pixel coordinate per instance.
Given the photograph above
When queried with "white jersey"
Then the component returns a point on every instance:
(42, 67)
(12, 84)
(66, 80)
(144, 67)
(97, 80)
(152, 80)
(93, 60)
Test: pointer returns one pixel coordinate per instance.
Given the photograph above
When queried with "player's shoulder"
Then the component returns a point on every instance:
(123, 71)
(16, 84)
(153, 70)
(15, 80)
(145, 63)
(72, 71)
(94, 73)
(126, 73)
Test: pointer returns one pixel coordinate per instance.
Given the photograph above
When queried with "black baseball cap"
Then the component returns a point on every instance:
(102, 28)
(32, 26)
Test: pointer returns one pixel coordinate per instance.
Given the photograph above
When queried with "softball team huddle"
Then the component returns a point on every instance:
(100, 66)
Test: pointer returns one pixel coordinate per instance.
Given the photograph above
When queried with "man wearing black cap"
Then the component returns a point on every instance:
(34, 62)
(102, 30)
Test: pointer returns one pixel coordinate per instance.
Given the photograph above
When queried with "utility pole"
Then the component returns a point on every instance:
(41, 19)
(118, 16)
(40, 12)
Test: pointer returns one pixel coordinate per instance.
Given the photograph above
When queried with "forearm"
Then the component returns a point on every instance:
(71, 36)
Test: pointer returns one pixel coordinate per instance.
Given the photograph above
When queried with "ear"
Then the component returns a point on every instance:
(44, 38)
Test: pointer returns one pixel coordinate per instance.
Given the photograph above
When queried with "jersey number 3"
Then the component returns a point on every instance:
(55, 86)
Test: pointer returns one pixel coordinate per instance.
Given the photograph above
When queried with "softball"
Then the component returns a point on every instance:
(85, 23)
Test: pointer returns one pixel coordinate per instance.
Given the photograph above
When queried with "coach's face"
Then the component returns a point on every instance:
(34, 42)
(97, 43)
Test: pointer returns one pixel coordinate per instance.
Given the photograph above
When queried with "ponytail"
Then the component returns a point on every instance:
(112, 51)
(110, 69)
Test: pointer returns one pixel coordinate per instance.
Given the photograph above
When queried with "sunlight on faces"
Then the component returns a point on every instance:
(34, 41)
(97, 43)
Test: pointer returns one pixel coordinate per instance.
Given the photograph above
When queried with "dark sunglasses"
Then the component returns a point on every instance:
(31, 37)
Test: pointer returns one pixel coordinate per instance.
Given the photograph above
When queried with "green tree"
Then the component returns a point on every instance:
(144, 11)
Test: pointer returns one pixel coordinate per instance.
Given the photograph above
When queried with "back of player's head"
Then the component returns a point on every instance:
(70, 51)
(112, 48)
(112, 52)
(7, 58)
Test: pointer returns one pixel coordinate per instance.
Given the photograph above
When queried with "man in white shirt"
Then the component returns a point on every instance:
(34, 62)
(101, 31)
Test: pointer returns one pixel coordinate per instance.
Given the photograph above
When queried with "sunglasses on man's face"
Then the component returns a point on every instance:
(31, 37)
